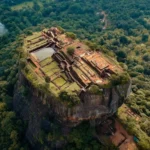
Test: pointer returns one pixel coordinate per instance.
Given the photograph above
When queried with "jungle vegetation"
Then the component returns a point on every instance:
(124, 36)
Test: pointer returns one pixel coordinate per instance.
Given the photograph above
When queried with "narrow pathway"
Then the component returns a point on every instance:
(104, 20)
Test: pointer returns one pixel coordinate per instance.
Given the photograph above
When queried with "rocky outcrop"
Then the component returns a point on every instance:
(36, 107)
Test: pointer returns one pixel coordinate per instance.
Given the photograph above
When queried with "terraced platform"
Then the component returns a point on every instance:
(47, 54)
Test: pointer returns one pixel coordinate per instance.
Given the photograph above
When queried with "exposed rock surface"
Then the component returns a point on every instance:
(37, 108)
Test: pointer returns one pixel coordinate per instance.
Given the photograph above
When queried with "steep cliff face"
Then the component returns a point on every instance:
(37, 108)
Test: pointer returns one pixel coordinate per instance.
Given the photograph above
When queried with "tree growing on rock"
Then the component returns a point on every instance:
(70, 51)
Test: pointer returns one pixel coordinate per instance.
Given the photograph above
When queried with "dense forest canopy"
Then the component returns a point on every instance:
(126, 36)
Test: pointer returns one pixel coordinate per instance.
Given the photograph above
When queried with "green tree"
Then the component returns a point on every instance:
(139, 68)
(145, 37)
(36, 6)
(119, 79)
(47, 79)
(70, 51)
(64, 96)
(71, 35)
(122, 54)
(124, 40)
(146, 57)
(69, 99)
(94, 89)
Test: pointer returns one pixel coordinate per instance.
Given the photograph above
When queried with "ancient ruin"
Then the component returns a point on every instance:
(72, 80)
(47, 54)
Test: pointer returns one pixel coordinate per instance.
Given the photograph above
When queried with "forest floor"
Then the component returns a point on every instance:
(122, 139)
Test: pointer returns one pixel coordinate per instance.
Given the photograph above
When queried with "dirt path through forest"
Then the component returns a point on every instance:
(104, 20)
